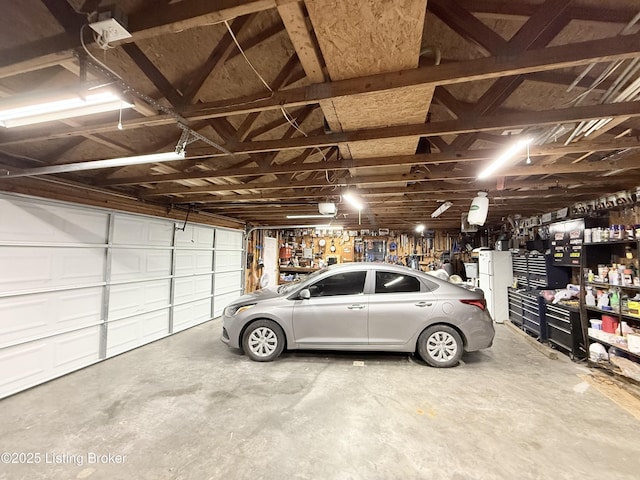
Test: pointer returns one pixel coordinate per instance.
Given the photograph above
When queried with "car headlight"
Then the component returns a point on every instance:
(235, 309)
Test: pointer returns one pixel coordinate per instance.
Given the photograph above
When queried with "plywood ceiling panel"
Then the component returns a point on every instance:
(364, 38)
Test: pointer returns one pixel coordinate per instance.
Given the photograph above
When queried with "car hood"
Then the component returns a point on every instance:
(257, 296)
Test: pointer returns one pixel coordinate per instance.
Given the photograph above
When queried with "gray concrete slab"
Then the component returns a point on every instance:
(189, 408)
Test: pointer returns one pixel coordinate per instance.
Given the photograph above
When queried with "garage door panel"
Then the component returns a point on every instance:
(133, 230)
(194, 236)
(136, 298)
(190, 314)
(81, 266)
(25, 221)
(43, 314)
(228, 240)
(123, 335)
(190, 288)
(193, 261)
(22, 365)
(30, 364)
(228, 261)
(131, 264)
(227, 282)
(76, 349)
(31, 268)
(221, 301)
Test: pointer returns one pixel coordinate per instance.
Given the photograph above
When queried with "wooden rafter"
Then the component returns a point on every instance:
(152, 72)
(65, 15)
(550, 58)
(310, 193)
(148, 23)
(434, 174)
(467, 26)
(420, 159)
(542, 27)
(509, 9)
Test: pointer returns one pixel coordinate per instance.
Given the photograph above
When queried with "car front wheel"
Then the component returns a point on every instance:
(263, 341)
(440, 346)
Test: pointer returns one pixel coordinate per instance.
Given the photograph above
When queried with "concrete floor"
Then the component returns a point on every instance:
(187, 407)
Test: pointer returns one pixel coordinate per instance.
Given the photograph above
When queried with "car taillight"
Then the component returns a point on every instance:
(480, 303)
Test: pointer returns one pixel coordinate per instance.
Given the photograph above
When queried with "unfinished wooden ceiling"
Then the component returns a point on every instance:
(401, 103)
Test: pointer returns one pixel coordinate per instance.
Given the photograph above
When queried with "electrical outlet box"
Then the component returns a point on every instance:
(111, 25)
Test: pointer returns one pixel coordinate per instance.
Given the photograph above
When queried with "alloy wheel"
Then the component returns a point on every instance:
(441, 346)
(263, 342)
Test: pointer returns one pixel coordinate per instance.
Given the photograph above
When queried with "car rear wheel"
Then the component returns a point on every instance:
(263, 341)
(440, 346)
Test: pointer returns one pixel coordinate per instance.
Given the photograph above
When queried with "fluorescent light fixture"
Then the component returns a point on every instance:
(32, 109)
(353, 201)
(310, 216)
(441, 209)
(96, 164)
(420, 228)
(507, 155)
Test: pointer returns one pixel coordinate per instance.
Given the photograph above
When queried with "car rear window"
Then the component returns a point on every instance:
(394, 282)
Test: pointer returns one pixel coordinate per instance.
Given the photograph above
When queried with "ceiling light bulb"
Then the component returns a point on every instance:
(420, 228)
(352, 200)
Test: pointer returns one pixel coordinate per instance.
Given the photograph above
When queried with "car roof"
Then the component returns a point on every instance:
(380, 266)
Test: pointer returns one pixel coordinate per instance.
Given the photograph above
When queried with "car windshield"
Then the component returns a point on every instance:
(291, 286)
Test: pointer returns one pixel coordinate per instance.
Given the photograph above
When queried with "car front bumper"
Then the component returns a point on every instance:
(230, 332)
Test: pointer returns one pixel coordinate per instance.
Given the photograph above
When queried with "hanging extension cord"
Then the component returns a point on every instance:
(287, 116)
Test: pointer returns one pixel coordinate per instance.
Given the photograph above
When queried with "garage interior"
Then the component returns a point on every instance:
(223, 153)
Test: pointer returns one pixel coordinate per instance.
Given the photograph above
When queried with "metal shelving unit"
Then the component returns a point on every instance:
(604, 253)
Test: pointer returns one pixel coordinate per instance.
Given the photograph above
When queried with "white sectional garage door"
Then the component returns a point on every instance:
(193, 287)
(228, 269)
(78, 285)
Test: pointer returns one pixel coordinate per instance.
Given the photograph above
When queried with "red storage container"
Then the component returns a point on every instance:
(609, 324)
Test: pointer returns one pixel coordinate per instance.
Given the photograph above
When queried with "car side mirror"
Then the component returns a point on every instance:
(304, 294)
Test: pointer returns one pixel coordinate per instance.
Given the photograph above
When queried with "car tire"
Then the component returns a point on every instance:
(440, 346)
(263, 341)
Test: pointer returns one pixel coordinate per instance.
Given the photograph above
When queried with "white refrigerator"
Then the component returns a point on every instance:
(495, 275)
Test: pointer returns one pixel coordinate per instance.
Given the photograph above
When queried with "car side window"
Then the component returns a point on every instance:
(344, 283)
(394, 282)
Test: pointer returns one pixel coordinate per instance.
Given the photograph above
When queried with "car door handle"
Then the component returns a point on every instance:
(355, 307)
(423, 304)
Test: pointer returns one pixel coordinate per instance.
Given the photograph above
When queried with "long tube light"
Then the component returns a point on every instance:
(95, 164)
(507, 155)
(441, 209)
(316, 215)
(24, 110)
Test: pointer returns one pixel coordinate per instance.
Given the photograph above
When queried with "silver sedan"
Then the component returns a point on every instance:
(362, 307)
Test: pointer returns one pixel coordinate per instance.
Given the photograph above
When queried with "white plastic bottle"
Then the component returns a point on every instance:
(589, 299)
(478, 209)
